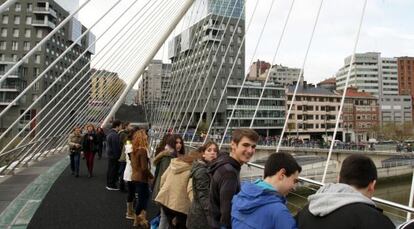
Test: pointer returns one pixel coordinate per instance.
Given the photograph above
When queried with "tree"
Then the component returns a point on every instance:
(203, 127)
(397, 132)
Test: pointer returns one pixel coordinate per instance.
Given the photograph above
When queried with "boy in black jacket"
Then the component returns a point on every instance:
(225, 179)
(348, 203)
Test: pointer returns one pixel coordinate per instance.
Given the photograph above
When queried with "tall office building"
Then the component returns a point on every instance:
(22, 26)
(189, 53)
(70, 6)
(103, 83)
(406, 77)
(156, 86)
(370, 73)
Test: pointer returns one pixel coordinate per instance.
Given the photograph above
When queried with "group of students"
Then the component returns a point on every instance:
(85, 144)
(202, 189)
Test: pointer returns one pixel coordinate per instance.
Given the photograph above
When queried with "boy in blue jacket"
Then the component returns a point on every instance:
(262, 204)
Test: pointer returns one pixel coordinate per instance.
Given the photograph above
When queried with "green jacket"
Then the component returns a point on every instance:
(161, 163)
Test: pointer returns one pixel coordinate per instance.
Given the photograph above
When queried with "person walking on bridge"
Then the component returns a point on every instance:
(90, 147)
(75, 148)
(348, 203)
(113, 151)
(225, 176)
(262, 204)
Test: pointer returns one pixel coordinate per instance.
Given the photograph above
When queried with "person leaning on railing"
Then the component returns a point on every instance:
(346, 204)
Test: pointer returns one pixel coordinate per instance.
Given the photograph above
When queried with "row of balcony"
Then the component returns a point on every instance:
(44, 23)
(45, 10)
(252, 107)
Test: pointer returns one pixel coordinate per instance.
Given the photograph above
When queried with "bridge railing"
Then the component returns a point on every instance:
(399, 209)
(396, 210)
(21, 156)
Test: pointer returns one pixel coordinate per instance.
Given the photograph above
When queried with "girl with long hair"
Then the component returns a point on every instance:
(141, 176)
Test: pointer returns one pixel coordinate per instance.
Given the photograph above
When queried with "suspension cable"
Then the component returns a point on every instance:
(36, 47)
(344, 92)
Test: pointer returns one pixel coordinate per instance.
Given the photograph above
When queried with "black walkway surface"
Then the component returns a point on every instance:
(82, 202)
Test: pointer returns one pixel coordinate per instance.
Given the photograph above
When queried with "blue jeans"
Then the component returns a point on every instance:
(74, 162)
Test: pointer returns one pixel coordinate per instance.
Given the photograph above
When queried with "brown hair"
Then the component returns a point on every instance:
(192, 156)
(139, 140)
(238, 134)
(171, 141)
(161, 145)
(204, 147)
(89, 125)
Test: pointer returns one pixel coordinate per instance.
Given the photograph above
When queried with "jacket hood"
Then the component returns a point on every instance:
(197, 165)
(331, 197)
(161, 155)
(222, 159)
(178, 166)
(251, 197)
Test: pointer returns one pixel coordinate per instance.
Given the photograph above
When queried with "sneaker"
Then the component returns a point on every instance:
(112, 188)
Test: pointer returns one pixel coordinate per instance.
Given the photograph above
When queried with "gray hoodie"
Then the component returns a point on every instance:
(331, 197)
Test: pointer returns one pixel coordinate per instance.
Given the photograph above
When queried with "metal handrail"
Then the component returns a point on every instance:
(375, 199)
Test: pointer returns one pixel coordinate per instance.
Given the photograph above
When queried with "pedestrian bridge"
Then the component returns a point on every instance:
(37, 114)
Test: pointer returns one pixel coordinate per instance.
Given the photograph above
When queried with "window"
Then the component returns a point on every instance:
(4, 32)
(16, 20)
(15, 45)
(5, 19)
(27, 33)
(14, 56)
(15, 32)
(39, 33)
(28, 20)
(2, 45)
(239, 29)
(18, 7)
(26, 46)
(29, 7)
(37, 59)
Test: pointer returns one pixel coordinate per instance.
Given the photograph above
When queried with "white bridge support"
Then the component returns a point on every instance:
(144, 64)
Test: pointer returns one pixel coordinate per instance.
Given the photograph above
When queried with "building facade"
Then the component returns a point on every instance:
(270, 116)
(22, 26)
(396, 109)
(156, 86)
(370, 73)
(206, 51)
(104, 82)
(329, 84)
(360, 116)
(406, 77)
(314, 112)
(285, 75)
(258, 70)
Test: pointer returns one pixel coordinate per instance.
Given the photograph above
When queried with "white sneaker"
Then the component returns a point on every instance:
(112, 189)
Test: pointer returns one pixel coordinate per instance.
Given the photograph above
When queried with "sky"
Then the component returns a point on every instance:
(387, 28)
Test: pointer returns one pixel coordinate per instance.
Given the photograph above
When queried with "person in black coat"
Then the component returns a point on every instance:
(200, 184)
(89, 146)
(113, 151)
(225, 176)
(348, 203)
(100, 134)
